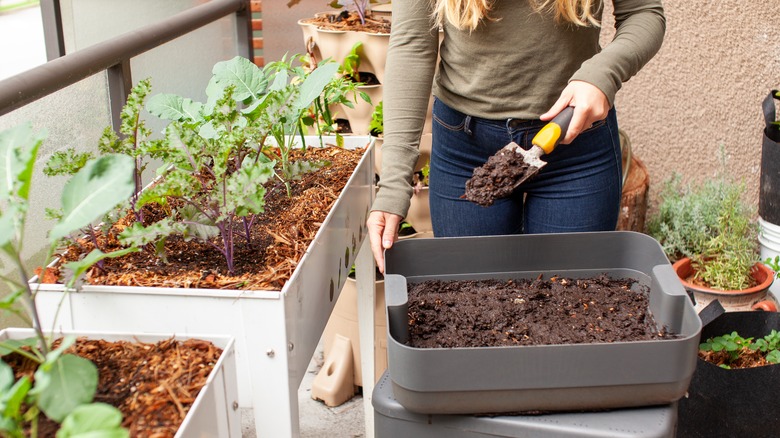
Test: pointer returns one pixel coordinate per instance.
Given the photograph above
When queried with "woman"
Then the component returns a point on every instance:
(507, 67)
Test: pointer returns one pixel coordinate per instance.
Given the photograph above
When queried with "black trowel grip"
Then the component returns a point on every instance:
(552, 133)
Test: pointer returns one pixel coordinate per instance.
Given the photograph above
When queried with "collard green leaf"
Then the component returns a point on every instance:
(249, 80)
(11, 345)
(10, 224)
(173, 107)
(314, 83)
(94, 190)
(6, 376)
(79, 267)
(70, 382)
(95, 420)
(18, 150)
(11, 403)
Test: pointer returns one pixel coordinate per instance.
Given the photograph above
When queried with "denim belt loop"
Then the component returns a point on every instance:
(467, 126)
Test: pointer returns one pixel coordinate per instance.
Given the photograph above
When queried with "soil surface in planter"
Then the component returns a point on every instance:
(279, 238)
(153, 385)
(497, 178)
(486, 313)
(747, 358)
(350, 21)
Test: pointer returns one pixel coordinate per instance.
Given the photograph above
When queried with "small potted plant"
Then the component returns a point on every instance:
(736, 372)
(710, 235)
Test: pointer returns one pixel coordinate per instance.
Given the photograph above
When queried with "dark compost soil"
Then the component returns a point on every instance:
(279, 238)
(480, 313)
(153, 385)
(497, 178)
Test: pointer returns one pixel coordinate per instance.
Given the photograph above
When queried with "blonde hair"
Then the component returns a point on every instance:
(467, 14)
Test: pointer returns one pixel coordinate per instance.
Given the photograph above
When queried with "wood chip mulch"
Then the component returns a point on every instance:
(350, 21)
(279, 238)
(153, 384)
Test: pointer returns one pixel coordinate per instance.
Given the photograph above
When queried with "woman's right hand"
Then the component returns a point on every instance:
(382, 232)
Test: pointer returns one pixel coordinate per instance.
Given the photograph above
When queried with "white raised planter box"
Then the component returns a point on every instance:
(276, 332)
(214, 412)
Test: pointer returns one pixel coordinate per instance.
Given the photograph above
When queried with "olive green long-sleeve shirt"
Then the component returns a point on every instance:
(513, 66)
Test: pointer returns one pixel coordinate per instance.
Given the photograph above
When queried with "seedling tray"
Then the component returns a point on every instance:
(544, 377)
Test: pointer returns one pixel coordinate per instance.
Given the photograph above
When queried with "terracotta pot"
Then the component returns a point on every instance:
(753, 298)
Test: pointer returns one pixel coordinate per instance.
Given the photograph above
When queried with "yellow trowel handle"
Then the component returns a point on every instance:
(553, 132)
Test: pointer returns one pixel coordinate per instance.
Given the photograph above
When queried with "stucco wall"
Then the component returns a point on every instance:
(703, 90)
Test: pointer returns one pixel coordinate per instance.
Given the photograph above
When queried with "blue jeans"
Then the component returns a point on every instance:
(578, 190)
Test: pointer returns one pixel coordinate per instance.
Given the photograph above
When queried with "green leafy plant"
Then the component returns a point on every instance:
(64, 384)
(377, 125)
(774, 264)
(420, 178)
(734, 347)
(135, 142)
(222, 153)
(712, 226)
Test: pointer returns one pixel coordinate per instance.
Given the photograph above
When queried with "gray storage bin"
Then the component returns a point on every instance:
(391, 420)
(546, 377)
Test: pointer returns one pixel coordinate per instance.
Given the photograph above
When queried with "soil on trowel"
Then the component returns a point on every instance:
(497, 178)
(488, 313)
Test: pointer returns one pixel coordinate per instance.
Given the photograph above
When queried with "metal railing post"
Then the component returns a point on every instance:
(51, 15)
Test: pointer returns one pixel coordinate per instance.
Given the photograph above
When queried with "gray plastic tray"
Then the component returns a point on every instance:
(391, 420)
(546, 377)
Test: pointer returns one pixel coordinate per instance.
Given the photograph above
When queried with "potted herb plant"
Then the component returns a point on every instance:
(359, 110)
(253, 230)
(49, 380)
(710, 235)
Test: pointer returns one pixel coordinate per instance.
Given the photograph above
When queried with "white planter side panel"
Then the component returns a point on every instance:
(213, 413)
(314, 287)
(276, 332)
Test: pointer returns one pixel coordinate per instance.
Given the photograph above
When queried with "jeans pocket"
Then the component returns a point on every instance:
(447, 117)
(596, 125)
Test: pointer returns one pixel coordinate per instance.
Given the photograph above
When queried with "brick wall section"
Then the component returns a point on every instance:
(256, 6)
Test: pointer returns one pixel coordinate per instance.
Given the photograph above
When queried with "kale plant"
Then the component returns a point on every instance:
(221, 154)
(134, 140)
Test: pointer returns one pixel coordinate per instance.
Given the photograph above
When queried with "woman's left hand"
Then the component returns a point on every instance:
(590, 105)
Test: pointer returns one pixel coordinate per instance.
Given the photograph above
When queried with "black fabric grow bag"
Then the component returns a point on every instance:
(738, 402)
(769, 186)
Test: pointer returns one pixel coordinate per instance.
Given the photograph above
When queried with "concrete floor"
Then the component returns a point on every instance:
(316, 419)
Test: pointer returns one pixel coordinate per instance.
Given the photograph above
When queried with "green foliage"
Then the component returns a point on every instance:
(66, 162)
(774, 264)
(63, 383)
(733, 345)
(377, 125)
(220, 154)
(351, 64)
(711, 225)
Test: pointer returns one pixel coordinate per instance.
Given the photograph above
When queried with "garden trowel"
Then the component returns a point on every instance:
(543, 142)
(512, 165)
